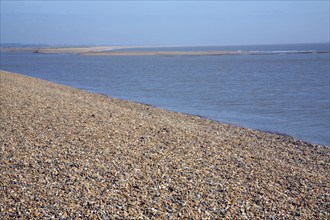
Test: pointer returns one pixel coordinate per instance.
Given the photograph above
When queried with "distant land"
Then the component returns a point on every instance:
(112, 50)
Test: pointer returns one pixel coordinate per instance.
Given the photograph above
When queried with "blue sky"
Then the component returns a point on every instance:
(164, 22)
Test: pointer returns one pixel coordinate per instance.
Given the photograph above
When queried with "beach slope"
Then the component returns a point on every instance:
(67, 153)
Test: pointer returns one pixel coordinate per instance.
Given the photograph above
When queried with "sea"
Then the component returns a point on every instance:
(282, 89)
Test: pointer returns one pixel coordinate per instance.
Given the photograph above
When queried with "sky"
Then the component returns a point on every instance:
(164, 22)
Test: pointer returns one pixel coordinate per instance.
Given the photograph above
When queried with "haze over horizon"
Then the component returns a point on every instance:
(165, 23)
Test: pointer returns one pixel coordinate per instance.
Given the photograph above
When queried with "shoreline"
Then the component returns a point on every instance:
(222, 122)
(70, 50)
(66, 153)
(115, 51)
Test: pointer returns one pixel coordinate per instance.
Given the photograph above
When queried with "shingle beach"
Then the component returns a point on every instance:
(70, 154)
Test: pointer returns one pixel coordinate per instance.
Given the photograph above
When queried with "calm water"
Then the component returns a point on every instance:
(266, 48)
(284, 93)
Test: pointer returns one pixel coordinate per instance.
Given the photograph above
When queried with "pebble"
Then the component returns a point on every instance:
(66, 153)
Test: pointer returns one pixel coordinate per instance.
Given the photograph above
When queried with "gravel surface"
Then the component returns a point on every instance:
(68, 154)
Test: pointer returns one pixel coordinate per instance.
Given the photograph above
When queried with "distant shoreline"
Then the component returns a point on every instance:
(113, 51)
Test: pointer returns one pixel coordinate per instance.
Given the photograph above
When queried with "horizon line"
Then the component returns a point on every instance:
(158, 45)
